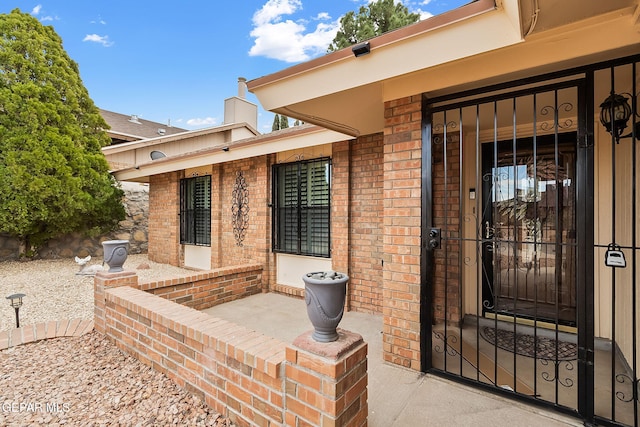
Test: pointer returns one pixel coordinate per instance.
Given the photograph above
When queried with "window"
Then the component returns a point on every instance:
(302, 207)
(195, 211)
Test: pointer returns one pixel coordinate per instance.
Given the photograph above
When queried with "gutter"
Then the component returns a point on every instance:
(476, 7)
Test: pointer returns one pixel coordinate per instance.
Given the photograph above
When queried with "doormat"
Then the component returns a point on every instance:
(524, 344)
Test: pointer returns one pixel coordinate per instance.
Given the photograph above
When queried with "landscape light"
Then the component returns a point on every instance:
(16, 303)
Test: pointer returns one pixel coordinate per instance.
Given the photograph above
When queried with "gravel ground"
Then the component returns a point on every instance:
(54, 291)
(83, 381)
(86, 381)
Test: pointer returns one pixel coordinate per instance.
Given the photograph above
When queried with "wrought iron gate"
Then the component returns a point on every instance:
(530, 213)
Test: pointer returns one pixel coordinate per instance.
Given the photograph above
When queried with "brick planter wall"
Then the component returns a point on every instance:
(251, 378)
(206, 289)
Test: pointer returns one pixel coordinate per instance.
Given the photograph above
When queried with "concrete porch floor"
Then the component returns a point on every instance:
(396, 396)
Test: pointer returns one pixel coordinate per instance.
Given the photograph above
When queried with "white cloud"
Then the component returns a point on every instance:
(423, 14)
(36, 11)
(103, 40)
(286, 39)
(99, 21)
(207, 121)
(274, 9)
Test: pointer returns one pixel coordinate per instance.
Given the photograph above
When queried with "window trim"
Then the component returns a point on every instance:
(275, 225)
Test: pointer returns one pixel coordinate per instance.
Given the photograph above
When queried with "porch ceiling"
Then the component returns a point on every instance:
(472, 46)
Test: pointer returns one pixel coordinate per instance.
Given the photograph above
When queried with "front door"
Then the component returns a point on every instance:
(528, 226)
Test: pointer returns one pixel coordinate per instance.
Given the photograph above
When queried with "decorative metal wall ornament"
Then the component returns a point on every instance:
(560, 123)
(240, 209)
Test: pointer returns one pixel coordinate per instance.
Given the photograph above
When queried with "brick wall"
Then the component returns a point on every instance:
(356, 226)
(226, 250)
(366, 221)
(256, 245)
(402, 231)
(340, 215)
(356, 219)
(446, 216)
(206, 289)
(251, 378)
(164, 225)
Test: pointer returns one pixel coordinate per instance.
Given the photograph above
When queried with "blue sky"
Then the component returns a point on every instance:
(178, 61)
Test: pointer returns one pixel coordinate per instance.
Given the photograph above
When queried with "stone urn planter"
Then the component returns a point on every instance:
(115, 254)
(325, 294)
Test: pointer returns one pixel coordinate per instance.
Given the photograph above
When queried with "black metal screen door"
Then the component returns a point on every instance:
(503, 293)
(531, 240)
(528, 219)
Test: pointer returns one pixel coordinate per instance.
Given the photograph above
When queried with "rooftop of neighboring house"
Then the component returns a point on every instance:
(127, 128)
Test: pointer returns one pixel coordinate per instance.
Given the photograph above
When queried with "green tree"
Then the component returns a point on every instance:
(284, 122)
(280, 122)
(54, 178)
(276, 123)
(376, 18)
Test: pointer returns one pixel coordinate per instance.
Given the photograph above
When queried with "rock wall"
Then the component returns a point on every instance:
(133, 228)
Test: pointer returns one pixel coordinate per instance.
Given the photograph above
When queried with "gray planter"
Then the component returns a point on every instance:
(115, 254)
(325, 294)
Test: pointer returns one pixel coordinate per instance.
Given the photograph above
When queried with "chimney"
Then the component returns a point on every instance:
(242, 88)
(237, 109)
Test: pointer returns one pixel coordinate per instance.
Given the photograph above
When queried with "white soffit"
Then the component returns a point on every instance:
(573, 45)
(473, 35)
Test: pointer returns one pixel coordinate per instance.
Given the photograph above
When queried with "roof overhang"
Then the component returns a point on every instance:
(477, 44)
(275, 142)
(149, 142)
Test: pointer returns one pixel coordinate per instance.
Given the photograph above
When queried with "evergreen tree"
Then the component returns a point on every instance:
(54, 178)
(284, 122)
(376, 18)
(280, 122)
(276, 123)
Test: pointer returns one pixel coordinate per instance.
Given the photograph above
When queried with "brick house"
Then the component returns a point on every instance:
(475, 174)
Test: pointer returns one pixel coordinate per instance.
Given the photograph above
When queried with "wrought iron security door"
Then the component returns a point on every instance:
(531, 288)
(503, 290)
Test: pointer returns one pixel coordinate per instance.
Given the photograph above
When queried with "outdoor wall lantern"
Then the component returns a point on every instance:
(16, 303)
(615, 113)
(361, 49)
